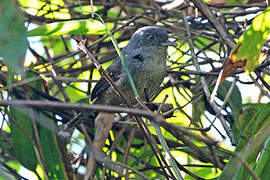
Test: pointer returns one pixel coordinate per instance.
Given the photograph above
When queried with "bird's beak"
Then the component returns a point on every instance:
(169, 43)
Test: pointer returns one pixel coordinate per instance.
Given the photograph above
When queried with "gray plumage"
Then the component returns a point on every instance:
(145, 56)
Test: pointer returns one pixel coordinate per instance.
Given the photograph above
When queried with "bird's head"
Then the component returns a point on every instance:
(150, 36)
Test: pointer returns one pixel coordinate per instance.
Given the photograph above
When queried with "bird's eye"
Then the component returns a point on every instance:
(151, 37)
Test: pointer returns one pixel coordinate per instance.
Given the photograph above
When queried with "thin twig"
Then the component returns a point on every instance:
(205, 88)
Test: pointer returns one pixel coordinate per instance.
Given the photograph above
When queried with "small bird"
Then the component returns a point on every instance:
(145, 56)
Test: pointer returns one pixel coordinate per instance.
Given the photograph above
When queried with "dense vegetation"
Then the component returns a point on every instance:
(46, 82)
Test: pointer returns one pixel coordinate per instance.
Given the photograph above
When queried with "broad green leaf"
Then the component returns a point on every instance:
(142, 157)
(253, 39)
(253, 137)
(234, 2)
(235, 100)
(201, 42)
(113, 12)
(244, 121)
(206, 173)
(74, 94)
(21, 134)
(47, 9)
(84, 100)
(4, 175)
(50, 149)
(37, 4)
(86, 9)
(53, 157)
(56, 44)
(4, 146)
(263, 165)
(12, 37)
(40, 4)
(247, 53)
(260, 133)
(86, 27)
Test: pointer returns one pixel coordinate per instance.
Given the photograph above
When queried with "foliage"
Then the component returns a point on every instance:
(247, 53)
(70, 27)
(47, 119)
(13, 34)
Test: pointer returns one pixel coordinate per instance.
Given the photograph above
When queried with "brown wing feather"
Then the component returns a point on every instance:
(114, 71)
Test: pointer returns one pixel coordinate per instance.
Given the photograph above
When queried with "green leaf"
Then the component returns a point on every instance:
(250, 43)
(48, 141)
(235, 100)
(260, 133)
(12, 37)
(201, 42)
(84, 9)
(89, 27)
(47, 9)
(74, 94)
(263, 165)
(4, 146)
(244, 121)
(206, 173)
(21, 134)
(50, 148)
(234, 2)
(56, 44)
(4, 173)
(35, 4)
(254, 136)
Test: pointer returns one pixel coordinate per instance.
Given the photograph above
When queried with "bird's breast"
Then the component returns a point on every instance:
(150, 75)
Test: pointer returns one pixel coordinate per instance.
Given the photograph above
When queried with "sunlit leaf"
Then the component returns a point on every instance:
(55, 44)
(234, 2)
(247, 53)
(202, 42)
(48, 9)
(37, 4)
(89, 27)
(7, 176)
(74, 94)
(87, 9)
(4, 175)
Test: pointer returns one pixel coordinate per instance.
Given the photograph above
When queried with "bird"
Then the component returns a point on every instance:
(145, 56)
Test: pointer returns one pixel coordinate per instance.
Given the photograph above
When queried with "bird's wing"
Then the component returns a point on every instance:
(134, 61)
(114, 71)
